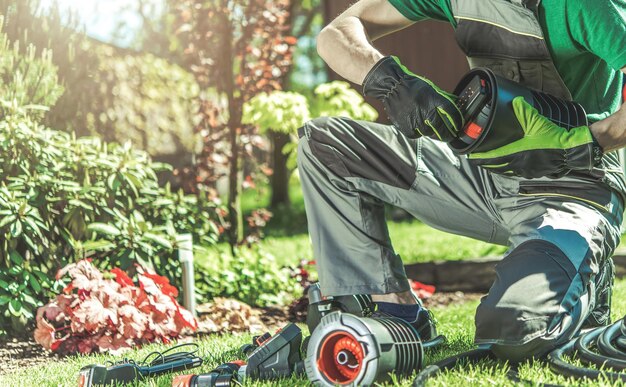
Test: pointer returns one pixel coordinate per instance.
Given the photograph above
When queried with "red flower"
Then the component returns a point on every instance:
(161, 282)
(99, 314)
(422, 290)
(44, 333)
(122, 278)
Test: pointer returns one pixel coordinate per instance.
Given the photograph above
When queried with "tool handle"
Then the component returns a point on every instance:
(171, 366)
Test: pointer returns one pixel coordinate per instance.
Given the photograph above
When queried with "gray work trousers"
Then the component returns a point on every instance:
(559, 231)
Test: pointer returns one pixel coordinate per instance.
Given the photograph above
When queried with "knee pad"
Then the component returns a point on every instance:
(518, 353)
(534, 302)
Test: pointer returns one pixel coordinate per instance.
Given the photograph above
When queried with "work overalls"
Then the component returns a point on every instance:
(560, 232)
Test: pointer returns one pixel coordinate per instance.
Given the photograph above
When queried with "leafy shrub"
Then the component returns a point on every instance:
(253, 276)
(99, 314)
(63, 197)
(337, 98)
(279, 111)
(58, 192)
(28, 78)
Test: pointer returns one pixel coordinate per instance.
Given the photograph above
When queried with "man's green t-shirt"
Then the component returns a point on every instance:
(587, 40)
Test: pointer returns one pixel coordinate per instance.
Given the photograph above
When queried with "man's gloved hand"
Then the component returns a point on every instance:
(545, 150)
(414, 104)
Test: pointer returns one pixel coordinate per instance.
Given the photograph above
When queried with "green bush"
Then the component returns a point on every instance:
(63, 197)
(115, 93)
(26, 79)
(253, 276)
(337, 98)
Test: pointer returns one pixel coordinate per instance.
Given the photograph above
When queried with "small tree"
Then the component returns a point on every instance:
(279, 113)
(239, 49)
(284, 112)
(339, 99)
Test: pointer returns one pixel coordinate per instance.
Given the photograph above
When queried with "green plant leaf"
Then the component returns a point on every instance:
(16, 257)
(6, 220)
(98, 245)
(34, 284)
(161, 240)
(15, 307)
(16, 229)
(36, 107)
(103, 228)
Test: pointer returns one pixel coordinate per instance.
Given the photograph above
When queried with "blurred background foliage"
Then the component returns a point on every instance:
(113, 144)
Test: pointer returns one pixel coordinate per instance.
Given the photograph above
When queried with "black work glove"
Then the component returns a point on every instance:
(414, 104)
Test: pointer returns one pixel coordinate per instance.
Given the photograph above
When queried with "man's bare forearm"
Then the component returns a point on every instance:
(345, 44)
(611, 132)
(345, 47)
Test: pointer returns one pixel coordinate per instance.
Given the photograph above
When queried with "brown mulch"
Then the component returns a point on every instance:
(23, 352)
(223, 315)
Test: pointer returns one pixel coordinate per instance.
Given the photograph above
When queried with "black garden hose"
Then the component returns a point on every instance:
(451, 362)
(602, 347)
(610, 345)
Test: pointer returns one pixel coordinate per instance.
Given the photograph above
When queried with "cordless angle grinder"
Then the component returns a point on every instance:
(485, 100)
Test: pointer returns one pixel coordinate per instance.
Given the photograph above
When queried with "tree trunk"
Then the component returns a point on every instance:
(234, 129)
(280, 178)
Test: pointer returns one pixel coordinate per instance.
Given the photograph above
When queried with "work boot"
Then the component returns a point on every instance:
(424, 323)
(601, 313)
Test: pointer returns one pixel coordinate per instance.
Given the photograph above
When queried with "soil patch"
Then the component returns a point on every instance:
(21, 353)
(442, 299)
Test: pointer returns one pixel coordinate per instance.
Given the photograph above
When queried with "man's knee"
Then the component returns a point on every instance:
(534, 304)
(517, 353)
(516, 338)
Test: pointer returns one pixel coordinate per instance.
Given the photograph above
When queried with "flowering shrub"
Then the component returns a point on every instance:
(107, 312)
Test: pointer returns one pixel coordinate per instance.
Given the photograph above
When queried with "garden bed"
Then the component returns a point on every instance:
(23, 352)
(455, 321)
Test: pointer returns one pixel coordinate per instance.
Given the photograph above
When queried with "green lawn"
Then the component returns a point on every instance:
(286, 235)
(455, 321)
(414, 241)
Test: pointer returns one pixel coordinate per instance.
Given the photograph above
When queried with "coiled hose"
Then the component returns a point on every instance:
(609, 343)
